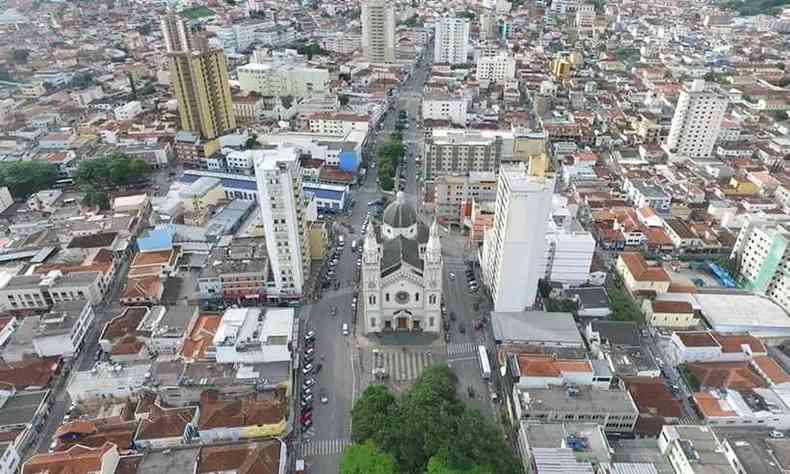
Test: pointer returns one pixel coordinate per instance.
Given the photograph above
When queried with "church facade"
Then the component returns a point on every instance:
(402, 273)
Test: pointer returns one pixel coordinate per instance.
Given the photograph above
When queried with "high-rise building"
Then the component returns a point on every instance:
(499, 68)
(378, 31)
(453, 152)
(513, 253)
(762, 251)
(176, 33)
(585, 18)
(488, 26)
(697, 121)
(451, 40)
(280, 194)
(200, 78)
(281, 80)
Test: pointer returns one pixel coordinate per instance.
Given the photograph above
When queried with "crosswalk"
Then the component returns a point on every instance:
(324, 447)
(456, 348)
(403, 365)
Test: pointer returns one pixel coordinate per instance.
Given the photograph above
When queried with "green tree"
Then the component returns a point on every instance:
(372, 413)
(366, 459)
(96, 198)
(252, 142)
(24, 178)
(115, 169)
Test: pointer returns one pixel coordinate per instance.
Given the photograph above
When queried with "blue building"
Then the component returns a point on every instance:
(328, 197)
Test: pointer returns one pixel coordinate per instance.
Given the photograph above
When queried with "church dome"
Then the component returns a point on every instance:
(400, 214)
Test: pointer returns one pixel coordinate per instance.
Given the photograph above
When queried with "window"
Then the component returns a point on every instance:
(432, 299)
(387, 297)
(372, 322)
(416, 297)
(372, 300)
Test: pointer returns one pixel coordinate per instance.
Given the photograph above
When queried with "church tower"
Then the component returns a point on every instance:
(433, 276)
(371, 281)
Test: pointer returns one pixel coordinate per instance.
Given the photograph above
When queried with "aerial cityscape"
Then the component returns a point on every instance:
(394, 237)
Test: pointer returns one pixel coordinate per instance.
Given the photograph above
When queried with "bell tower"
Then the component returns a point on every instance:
(371, 282)
(432, 277)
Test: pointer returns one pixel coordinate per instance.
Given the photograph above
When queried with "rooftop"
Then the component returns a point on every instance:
(581, 400)
(536, 327)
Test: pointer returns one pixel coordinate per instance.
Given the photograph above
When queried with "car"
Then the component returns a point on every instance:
(333, 311)
(309, 350)
(310, 334)
(307, 424)
(307, 369)
(307, 391)
(309, 382)
(461, 328)
(306, 403)
(777, 434)
(470, 391)
(307, 409)
(452, 316)
(306, 417)
(318, 368)
(452, 276)
(324, 396)
(308, 358)
(307, 398)
(344, 329)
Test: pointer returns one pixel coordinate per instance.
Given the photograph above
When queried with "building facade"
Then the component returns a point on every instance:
(451, 40)
(445, 108)
(514, 249)
(460, 152)
(378, 31)
(761, 250)
(402, 274)
(697, 121)
(273, 79)
(280, 194)
(499, 68)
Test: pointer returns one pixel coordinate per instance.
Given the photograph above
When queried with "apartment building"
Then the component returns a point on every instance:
(451, 40)
(342, 42)
(499, 68)
(454, 194)
(254, 335)
(278, 79)
(378, 31)
(585, 18)
(761, 250)
(236, 272)
(514, 249)
(279, 178)
(338, 124)
(437, 107)
(697, 121)
(460, 152)
(57, 333)
(200, 80)
(569, 254)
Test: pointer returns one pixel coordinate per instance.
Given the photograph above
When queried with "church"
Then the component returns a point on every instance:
(402, 273)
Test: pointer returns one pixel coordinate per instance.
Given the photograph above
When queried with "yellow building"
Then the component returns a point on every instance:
(561, 69)
(639, 278)
(200, 79)
(669, 314)
(319, 240)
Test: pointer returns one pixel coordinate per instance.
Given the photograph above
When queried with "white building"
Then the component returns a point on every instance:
(451, 40)
(378, 31)
(279, 178)
(569, 254)
(762, 251)
(342, 42)
(445, 108)
(329, 123)
(276, 79)
(402, 275)
(128, 111)
(6, 200)
(252, 336)
(240, 36)
(697, 121)
(585, 18)
(58, 333)
(514, 249)
(499, 68)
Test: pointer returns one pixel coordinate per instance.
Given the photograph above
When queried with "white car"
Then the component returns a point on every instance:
(452, 276)
(344, 329)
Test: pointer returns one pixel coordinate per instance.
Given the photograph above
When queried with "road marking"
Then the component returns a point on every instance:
(403, 366)
(460, 348)
(324, 447)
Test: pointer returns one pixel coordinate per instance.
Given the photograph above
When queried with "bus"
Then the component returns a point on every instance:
(485, 366)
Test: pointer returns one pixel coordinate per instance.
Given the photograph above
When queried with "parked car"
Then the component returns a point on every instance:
(306, 417)
(307, 398)
(309, 382)
(324, 396)
(310, 334)
(344, 329)
(461, 328)
(452, 316)
(307, 369)
(318, 368)
(307, 424)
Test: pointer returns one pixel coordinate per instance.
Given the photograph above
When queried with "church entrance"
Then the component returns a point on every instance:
(403, 324)
(388, 325)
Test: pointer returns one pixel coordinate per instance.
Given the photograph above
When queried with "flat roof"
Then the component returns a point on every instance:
(536, 327)
(584, 399)
(728, 311)
(20, 408)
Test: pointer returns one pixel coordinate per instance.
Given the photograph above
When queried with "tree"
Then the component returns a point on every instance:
(343, 99)
(372, 413)
(366, 459)
(20, 56)
(252, 142)
(115, 169)
(94, 198)
(24, 178)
